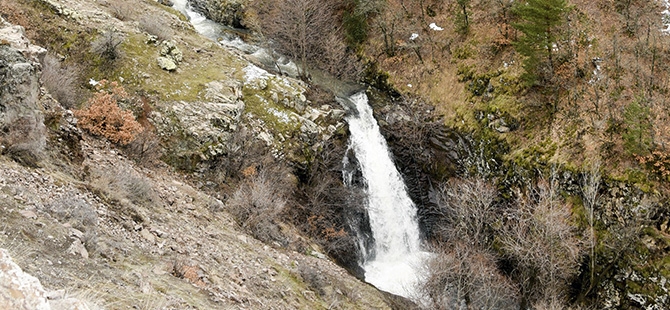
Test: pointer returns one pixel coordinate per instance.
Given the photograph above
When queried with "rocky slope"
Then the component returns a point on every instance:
(93, 225)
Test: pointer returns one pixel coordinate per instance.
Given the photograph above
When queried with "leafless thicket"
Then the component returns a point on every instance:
(539, 238)
(466, 212)
(259, 201)
(155, 27)
(107, 45)
(61, 81)
(307, 31)
(464, 275)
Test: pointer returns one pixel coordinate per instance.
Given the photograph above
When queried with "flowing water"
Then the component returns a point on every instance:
(394, 264)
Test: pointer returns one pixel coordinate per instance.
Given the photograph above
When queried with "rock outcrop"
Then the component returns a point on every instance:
(19, 290)
(228, 12)
(21, 118)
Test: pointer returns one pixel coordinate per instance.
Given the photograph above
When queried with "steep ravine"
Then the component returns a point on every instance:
(90, 223)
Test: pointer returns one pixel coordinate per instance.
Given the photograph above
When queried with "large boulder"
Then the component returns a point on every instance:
(19, 290)
(22, 131)
(231, 13)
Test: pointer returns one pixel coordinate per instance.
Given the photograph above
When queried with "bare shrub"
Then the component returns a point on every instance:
(307, 31)
(123, 185)
(22, 137)
(104, 117)
(466, 210)
(258, 203)
(463, 277)
(314, 278)
(540, 240)
(60, 81)
(155, 27)
(121, 10)
(106, 46)
(243, 150)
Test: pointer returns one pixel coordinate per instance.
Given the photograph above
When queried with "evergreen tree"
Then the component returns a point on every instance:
(539, 23)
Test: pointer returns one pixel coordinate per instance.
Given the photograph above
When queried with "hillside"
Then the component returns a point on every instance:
(148, 163)
(110, 225)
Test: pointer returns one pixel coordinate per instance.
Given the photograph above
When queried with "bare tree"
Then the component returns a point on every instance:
(308, 32)
(461, 276)
(540, 240)
(466, 211)
(590, 188)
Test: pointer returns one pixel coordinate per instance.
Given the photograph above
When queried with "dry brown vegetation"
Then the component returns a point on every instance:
(61, 81)
(104, 117)
(476, 235)
(309, 32)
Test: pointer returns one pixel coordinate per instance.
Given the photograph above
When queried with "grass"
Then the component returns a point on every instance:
(140, 71)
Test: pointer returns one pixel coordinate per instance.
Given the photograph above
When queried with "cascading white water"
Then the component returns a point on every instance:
(397, 257)
(395, 264)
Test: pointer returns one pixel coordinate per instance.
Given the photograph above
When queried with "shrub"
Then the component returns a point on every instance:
(657, 162)
(104, 117)
(462, 275)
(145, 148)
(121, 10)
(466, 212)
(154, 27)
(107, 45)
(60, 81)
(258, 203)
(539, 239)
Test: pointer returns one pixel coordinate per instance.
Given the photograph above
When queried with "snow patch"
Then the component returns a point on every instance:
(666, 16)
(435, 27)
(252, 73)
(413, 36)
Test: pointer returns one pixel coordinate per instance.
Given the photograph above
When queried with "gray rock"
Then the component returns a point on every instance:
(166, 63)
(228, 12)
(169, 50)
(19, 290)
(21, 112)
(337, 115)
(166, 2)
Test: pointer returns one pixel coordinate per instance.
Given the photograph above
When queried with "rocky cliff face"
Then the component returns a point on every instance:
(232, 13)
(21, 118)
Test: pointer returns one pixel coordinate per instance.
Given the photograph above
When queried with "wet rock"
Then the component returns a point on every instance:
(228, 12)
(19, 290)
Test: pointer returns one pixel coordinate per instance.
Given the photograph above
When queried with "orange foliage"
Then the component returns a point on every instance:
(104, 117)
(658, 162)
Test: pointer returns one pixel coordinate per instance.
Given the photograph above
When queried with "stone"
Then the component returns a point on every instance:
(228, 12)
(19, 290)
(166, 64)
(169, 49)
(77, 248)
(337, 114)
(28, 214)
(147, 235)
(166, 2)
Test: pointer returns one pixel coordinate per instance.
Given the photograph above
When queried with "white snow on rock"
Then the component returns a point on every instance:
(414, 36)
(435, 27)
(252, 73)
(666, 16)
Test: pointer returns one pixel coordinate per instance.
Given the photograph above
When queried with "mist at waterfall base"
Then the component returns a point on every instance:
(395, 263)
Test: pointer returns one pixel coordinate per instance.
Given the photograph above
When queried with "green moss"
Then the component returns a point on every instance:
(140, 71)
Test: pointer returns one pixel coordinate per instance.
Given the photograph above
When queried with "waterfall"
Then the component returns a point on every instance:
(393, 265)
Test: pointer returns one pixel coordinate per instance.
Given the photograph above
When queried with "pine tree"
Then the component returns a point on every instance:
(539, 22)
